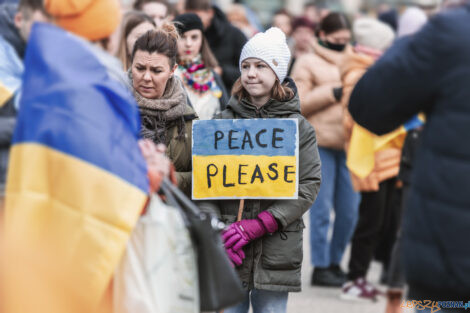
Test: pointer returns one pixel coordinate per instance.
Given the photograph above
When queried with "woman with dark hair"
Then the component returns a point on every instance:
(196, 65)
(166, 116)
(318, 78)
(135, 25)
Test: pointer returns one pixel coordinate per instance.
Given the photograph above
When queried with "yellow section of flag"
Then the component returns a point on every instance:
(364, 144)
(67, 223)
(5, 95)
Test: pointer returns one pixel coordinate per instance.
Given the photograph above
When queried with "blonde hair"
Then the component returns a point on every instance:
(163, 40)
(170, 29)
(279, 92)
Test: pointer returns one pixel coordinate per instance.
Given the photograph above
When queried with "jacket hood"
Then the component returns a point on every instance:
(8, 29)
(272, 109)
(219, 23)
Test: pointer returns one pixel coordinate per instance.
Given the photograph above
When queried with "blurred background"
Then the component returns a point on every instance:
(265, 9)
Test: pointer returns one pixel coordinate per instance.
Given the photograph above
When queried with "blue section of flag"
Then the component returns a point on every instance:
(413, 123)
(270, 137)
(71, 104)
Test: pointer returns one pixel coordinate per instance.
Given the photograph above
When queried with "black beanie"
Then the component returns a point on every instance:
(188, 21)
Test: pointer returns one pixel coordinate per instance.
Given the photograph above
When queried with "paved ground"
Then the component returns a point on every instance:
(326, 300)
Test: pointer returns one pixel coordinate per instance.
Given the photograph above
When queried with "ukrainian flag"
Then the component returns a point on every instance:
(77, 181)
(364, 144)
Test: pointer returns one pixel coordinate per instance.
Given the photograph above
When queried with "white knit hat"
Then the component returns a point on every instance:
(270, 47)
(372, 33)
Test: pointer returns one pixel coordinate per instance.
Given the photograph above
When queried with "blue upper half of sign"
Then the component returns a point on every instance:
(269, 137)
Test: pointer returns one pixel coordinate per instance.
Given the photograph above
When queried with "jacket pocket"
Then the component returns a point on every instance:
(283, 249)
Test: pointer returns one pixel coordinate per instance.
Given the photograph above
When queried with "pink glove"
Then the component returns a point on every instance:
(241, 233)
(236, 257)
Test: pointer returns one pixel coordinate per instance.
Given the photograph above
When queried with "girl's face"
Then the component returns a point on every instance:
(257, 78)
(150, 73)
(189, 44)
(138, 31)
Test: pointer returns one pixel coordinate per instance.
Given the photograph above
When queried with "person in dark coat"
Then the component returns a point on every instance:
(225, 40)
(429, 72)
(13, 35)
(11, 50)
(8, 30)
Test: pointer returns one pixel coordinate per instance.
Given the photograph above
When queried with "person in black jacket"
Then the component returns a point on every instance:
(429, 72)
(225, 40)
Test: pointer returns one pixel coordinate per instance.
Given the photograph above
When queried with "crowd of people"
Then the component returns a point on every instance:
(382, 106)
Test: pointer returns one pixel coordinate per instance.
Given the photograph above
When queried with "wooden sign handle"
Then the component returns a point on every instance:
(240, 210)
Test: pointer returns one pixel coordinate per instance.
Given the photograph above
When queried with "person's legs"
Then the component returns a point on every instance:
(264, 301)
(320, 211)
(242, 307)
(396, 273)
(392, 219)
(363, 245)
(366, 234)
(346, 207)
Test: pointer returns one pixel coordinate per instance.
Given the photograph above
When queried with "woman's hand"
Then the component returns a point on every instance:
(157, 163)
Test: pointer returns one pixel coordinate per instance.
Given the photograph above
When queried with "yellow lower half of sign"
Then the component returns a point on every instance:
(244, 176)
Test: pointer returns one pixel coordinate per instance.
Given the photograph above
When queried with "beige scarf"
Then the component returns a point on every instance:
(159, 115)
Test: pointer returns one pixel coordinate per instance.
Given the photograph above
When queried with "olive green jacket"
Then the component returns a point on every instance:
(179, 151)
(274, 261)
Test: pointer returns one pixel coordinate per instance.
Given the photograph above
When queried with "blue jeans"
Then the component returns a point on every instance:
(336, 193)
(262, 301)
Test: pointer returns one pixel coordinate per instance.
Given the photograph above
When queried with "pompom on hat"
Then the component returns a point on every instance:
(91, 19)
(270, 47)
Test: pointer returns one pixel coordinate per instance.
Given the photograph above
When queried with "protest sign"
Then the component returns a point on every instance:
(245, 159)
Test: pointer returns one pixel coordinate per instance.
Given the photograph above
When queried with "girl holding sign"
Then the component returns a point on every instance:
(266, 244)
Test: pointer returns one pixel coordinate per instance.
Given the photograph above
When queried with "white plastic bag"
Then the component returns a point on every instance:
(158, 273)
